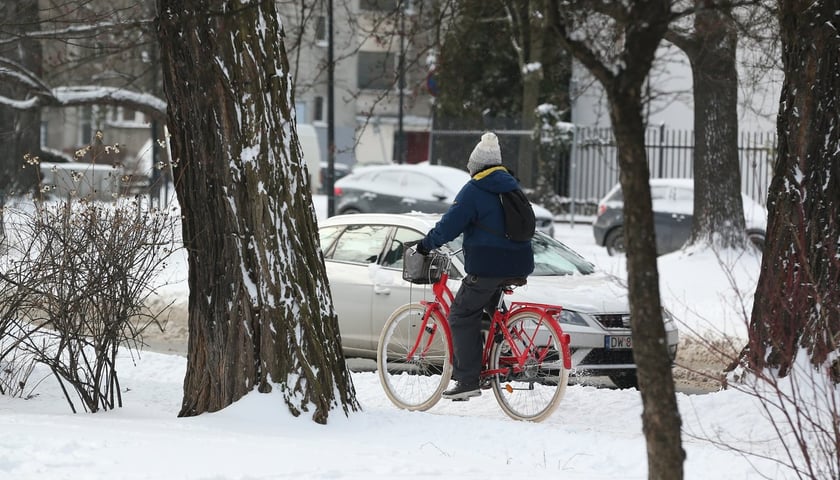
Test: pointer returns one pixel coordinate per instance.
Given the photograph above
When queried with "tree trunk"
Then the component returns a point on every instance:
(718, 207)
(797, 300)
(260, 311)
(661, 419)
(20, 131)
(534, 34)
(648, 22)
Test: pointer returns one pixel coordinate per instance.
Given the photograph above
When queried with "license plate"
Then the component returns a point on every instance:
(618, 342)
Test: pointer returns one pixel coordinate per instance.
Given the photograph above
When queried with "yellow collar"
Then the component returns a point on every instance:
(484, 173)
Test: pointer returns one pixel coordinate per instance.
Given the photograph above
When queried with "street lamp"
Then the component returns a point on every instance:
(330, 114)
(401, 86)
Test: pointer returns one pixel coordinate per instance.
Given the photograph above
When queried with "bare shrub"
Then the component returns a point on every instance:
(16, 288)
(85, 271)
(804, 410)
(802, 404)
(16, 366)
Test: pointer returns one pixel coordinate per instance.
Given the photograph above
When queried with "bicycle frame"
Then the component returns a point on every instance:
(517, 359)
(441, 305)
(519, 356)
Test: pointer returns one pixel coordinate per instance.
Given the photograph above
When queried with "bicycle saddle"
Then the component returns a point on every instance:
(515, 282)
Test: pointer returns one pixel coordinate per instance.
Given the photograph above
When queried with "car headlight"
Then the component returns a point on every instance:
(668, 319)
(571, 317)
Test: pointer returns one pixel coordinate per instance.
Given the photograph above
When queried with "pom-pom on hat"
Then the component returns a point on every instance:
(484, 154)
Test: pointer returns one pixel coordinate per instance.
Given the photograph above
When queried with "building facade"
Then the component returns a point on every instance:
(378, 45)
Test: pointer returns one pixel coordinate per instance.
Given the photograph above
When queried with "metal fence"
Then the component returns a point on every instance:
(593, 168)
(589, 169)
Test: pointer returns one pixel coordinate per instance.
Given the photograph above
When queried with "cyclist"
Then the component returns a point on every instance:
(490, 258)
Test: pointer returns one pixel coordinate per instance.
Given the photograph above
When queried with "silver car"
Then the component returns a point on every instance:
(363, 255)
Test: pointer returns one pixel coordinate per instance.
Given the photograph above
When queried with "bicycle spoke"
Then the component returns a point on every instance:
(534, 378)
(413, 358)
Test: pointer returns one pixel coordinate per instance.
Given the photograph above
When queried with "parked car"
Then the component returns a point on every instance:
(673, 213)
(409, 188)
(340, 170)
(364, 255)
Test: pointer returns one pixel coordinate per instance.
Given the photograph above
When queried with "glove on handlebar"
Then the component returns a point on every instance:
(421, 249)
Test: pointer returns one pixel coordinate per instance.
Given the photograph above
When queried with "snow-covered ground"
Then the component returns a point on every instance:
(596, 432)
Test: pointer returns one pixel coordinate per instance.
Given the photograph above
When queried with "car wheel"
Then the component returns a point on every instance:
(625, 379)
(615, 241)
(757, 238)
(350, 211)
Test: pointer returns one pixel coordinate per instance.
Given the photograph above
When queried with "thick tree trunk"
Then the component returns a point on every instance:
(20, 131)
(718, 207)
(260, 311)
(797, 300)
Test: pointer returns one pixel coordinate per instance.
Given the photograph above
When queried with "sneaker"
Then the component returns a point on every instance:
(462, 391)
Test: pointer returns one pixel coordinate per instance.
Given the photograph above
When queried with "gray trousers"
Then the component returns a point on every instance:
(475, 294)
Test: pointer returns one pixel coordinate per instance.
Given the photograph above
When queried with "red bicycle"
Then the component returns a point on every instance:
(526, 357)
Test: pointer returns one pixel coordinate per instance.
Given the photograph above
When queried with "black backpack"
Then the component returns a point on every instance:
(520, 222)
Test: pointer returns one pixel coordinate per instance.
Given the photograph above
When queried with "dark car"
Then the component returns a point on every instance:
(410, 188)
(673, 213)
(340, 170)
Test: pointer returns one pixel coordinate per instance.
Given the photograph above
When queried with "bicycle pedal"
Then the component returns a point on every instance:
(466, 399)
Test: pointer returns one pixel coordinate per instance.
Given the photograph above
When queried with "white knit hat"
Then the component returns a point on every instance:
(484, 154)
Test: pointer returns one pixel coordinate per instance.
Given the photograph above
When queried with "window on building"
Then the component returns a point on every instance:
(321, 30)
(318, 114)
(378, 5)
(300, 112)
(85, 125)
(376, 70)
(127, 118)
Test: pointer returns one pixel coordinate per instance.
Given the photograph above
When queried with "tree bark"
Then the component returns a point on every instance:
(645, 26)
(20, 131)
(718, 206)
(533, 35)
(260, 311)
(661, 419)
(797, 300)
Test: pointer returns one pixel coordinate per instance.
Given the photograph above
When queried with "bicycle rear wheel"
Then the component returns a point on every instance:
(531, 392)
(413, 382)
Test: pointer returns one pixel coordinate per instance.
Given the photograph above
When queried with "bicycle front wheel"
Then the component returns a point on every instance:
(530, 390)
(413, 358)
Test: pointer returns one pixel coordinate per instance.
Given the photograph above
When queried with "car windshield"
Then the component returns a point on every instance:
(550, 257)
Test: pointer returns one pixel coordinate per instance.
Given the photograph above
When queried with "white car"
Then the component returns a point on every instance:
(364, 254)
(410, 188)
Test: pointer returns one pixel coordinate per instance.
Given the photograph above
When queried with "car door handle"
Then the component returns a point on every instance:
(381, 290)
(368, 195)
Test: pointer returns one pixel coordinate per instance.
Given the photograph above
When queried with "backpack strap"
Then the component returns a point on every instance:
(491, 230)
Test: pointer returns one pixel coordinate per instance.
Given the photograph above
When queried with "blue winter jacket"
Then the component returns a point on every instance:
(486, 254)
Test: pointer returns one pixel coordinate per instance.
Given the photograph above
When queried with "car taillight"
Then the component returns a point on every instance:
(337, 191)
(601, 209)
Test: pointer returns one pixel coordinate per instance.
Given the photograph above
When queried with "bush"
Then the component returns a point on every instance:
(79, 274)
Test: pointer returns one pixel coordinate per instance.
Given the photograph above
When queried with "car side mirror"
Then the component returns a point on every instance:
(439, 194)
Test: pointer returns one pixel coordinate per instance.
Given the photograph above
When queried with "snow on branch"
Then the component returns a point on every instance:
(92, 95)
(17, 73)
(77, 31)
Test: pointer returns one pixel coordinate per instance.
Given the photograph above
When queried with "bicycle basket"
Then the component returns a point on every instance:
(422, 269)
